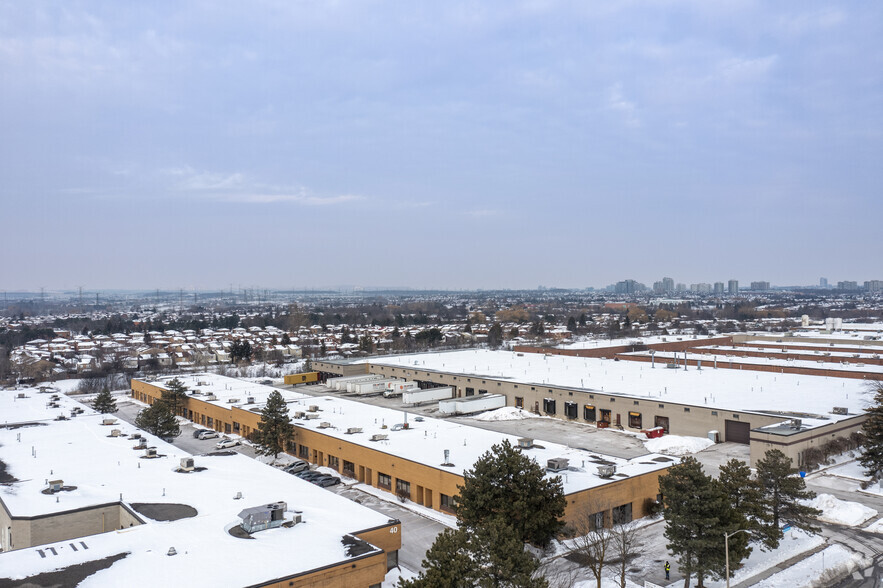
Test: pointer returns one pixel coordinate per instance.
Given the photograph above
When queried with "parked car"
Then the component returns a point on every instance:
(309, 475)
(198, 432)
(225, 443)
(207, 434)
(298, 466)
(320, 477)
(329, 481)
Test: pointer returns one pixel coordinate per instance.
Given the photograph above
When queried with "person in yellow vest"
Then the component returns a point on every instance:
(667, 570)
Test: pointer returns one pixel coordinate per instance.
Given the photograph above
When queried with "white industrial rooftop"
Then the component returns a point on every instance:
(226, 391)
(425, 441)
(81, 452)
(729, 389)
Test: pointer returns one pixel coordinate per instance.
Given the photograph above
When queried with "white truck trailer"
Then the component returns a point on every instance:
(472, 404)
(341, 382)
(398, 387)
(369, 387)
(413, 397)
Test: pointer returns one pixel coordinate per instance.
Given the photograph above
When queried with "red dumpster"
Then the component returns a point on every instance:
(654, 433)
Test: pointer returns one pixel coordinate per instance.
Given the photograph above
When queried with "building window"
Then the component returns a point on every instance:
(622, 514)
(596, 520)
(235, 427)
(635, 420)
(480, 391)
(470, 391)
(349, 468)
(333, 462)
(303, 452)
(384, 481)
(519, 402)
(613, 400)
(549, 405)
(570, 410)
(686, 409)
(735, 416)
(636, 402)
(714, 413)
(447, 503)
(403, 488)
(661, 406)
(592, 396)
(589, 413)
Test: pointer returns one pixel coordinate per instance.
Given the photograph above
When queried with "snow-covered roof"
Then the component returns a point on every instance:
(729, 389)
(81, 452)
(426, 440)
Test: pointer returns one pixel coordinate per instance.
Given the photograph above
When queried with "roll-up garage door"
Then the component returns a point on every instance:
(737, 432)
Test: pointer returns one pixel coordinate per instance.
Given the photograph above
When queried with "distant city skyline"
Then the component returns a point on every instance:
(440, 146)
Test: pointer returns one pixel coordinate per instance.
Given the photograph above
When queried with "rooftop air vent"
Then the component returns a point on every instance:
(525, 443)
(606, 471)
(378, 437)
(557, 464)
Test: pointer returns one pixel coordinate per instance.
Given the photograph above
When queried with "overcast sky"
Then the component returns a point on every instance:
(439, 144)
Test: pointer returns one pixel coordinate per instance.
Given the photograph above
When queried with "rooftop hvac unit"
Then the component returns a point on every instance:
(56, 485)
(109, 422)
(840, 410)
(232, 400)
(150, 452)
(324, 425)
(115, 433)
(21, 394)
(187, 464)
(525, 442)
(299, 414)
(250, 400)
(211, 397)
(313, 408)
(353, 430)
(312, 416)
(378, 437)
(796, 423)
(557, 464)
(606, 471)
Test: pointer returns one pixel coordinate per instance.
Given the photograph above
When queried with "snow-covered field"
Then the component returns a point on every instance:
(841, 512)
(810, 571)
(677, 445)
(507, 413)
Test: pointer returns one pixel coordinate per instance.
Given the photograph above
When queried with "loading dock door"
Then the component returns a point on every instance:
(737, 432)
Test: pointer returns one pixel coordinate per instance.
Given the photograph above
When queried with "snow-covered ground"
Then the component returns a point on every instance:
(810, 572)
(841, 512)
(677, 445)
(439, 517)
(393, 575)
(508, 413)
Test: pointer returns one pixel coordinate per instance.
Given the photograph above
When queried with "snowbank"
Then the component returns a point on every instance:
(392, 576)
(810, 572)
(841, 512)
(677, 445)
(507, 413)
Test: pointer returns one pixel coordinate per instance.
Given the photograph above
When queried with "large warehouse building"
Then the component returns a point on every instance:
(634, 390)
(418, 458)
(81, 500)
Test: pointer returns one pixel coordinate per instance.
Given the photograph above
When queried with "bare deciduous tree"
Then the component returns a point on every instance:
(625, 546)
(592, 541)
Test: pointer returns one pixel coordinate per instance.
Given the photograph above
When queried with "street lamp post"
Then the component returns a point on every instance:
(727, 551)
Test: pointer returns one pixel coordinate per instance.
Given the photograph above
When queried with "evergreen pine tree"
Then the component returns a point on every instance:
(872, 456)
(745, 497)
(157, 419)
(507, 485)
(697, 515)
(782, 491)
(488, 556)
(175, 395)
(275, 428)
(104, 403)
